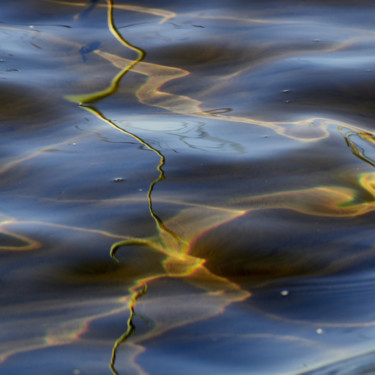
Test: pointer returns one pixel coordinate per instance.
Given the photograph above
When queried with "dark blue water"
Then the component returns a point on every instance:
(187, 187)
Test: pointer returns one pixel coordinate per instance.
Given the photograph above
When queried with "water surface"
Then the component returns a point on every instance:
(187, 187)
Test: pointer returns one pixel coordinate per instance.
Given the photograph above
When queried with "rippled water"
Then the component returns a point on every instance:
(187, 187)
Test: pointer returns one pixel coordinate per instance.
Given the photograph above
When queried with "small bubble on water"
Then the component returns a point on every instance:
(316, 40)
(140, 189)
(319, 331)
(118, 179)
(284, 292)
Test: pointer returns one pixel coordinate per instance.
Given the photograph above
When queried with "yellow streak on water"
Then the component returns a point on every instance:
(166, 15)
(178, 262)
(308, 130)
(63, 333)
(29, 243)
(330, 201)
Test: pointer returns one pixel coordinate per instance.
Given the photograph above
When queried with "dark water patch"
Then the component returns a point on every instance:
(266, 247)
(20, 107)
(136, 263)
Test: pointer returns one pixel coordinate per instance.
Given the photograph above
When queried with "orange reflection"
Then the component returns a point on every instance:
(165, 15)
(151, 94)
(332, 201)
(218, 292)
(359, 141)
(27, 243)
(57, 332)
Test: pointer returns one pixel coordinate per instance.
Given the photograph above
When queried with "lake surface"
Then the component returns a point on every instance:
(187, 187)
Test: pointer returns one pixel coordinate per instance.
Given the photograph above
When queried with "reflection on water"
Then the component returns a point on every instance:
(187, 187)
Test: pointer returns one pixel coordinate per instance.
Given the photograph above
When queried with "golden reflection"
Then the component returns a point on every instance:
(331, 201)
(115, 83)
(219, 292)
(150, 93)
(67, 331)
(367, 139)
(165, 15)
(27, 243)
(130, 325)
(178, 262)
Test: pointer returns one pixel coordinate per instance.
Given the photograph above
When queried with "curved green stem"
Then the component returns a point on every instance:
(115, 83)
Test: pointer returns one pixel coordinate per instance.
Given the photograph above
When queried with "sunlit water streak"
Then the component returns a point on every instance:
(178, 262)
